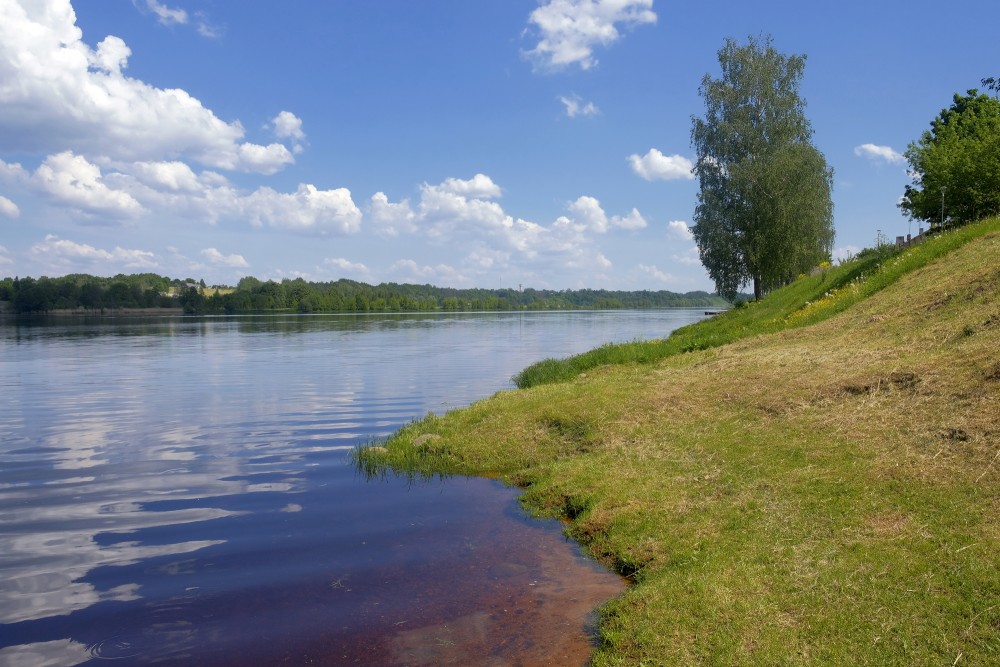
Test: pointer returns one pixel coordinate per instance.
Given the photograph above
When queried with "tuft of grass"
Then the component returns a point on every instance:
(816, 495)
(808, 300)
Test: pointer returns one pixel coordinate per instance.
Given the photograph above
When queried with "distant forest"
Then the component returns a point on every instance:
(81, 292)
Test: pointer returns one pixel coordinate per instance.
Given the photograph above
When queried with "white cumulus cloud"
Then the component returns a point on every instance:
(289, 126)
(654, 165)
(216, 258)
(111, 56)
(442, 275)
(680, 230)
(587, 215)
(172, 190)
(170, 176)
(8, 209)
(308, 209)
(63, 252)
(460, 213)
(587, 211)
(483, 257)
(73, 181)
(570, 30)
(58, 93)
(457, 205)
(206, 29)
(656, 274)
(390, 219)
(479, 186)
(347, 266)
(166, 15)
(459, 208)
(633, 220)
(879, 153)
(575, 106)
(261, 159)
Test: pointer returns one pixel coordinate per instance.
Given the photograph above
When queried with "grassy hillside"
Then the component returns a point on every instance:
(807, 301)
(823, 488)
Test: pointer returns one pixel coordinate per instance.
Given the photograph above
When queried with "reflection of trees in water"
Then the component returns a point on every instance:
(347, 322)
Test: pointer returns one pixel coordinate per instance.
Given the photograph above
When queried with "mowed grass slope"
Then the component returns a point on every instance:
(806, 301)
(825, 494)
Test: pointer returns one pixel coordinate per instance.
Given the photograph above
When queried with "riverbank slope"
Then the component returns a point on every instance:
(820, 494)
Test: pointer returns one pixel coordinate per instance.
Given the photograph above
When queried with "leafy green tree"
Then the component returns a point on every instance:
(956, 164)
(91, 295)
(248, 283)
(764, 212)
(120, 296)
(33, 296)
(192, 300)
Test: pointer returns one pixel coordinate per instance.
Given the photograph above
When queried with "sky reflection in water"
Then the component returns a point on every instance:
(178, 489)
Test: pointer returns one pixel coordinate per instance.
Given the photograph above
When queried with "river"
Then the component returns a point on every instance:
(178, 491)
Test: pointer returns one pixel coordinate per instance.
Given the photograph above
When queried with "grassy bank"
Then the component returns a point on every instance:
(808, 300)
(814, 481)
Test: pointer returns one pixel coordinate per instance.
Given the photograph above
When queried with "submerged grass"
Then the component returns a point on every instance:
(824, 494)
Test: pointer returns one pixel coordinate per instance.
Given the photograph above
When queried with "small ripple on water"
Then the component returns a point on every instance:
(119, 647)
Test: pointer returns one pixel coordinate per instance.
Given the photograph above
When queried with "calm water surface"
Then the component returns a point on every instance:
(177, 491)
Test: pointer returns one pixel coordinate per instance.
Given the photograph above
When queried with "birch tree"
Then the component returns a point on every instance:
(764, 211)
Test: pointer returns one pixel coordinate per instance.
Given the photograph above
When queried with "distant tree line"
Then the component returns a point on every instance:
(344, 295)
(81, 291)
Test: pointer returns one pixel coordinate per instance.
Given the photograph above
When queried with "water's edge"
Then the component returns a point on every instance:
(180, 490)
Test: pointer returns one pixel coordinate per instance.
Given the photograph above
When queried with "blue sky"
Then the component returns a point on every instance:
(544, 143)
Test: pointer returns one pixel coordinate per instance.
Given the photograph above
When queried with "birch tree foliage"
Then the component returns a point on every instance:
(764, 211)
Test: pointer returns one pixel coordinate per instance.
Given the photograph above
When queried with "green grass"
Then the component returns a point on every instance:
(808, 300)
(822, 490)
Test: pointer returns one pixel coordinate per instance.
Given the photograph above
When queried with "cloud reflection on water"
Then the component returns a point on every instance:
(144, 465)
(127, 420)
(44, 571)
(57, 653)
(60, 528)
